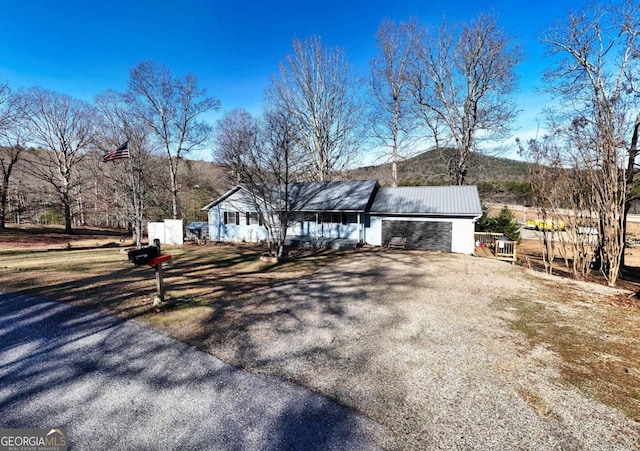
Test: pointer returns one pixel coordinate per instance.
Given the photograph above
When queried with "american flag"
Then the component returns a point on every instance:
(117, 154)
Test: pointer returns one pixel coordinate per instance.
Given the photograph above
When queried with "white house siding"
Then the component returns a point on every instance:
(219, 231)
(305, 226)
(462, 241)
(461, 230)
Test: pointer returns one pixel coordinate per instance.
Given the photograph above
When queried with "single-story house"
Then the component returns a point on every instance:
(429, 217)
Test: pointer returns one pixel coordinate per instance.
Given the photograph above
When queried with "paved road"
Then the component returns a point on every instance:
(120, 385)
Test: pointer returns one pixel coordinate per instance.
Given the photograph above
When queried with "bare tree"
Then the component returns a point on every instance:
(12, 143)
(63, 129)
(120, 123)
(391, 118)
(594, 81)
(462, 83)
(263, 157)
(561, 184)
(171, 107)
(318, 90)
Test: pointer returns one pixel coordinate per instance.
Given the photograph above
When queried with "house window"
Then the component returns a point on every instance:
(332, 218)
(232, 217)
(253, 218)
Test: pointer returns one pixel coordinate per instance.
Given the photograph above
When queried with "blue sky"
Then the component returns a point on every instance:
(83, 48)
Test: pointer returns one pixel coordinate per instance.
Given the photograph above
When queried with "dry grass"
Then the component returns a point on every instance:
(599, 343)
(100, 276)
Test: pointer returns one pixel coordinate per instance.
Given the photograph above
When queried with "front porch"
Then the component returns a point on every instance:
(321, 242)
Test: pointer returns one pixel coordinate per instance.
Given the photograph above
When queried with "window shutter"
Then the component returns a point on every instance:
(247, 217)
(225, 219)
(237, 218)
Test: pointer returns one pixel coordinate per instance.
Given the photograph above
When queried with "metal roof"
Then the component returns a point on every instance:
(432, 200)
(351, 195)
(358, 196)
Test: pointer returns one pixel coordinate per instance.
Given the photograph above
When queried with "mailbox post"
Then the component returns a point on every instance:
(153, 257)
(156, 263)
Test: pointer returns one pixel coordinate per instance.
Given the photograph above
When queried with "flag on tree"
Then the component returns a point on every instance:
(117, 154)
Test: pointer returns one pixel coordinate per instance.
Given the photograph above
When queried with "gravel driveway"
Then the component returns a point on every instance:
(414, 341)
(119, 385)
(419, 343)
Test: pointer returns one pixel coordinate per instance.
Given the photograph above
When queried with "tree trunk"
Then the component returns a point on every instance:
(173, 170)
(3, 200)
(68, 228)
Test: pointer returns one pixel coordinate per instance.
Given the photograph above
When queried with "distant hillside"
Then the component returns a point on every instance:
(498, 179)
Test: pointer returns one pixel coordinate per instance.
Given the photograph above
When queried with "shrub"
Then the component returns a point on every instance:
(504, 223)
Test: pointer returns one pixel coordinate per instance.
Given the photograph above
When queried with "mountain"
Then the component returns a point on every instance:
(499, 180)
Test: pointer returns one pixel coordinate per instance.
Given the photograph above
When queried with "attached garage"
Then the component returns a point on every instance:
(427, 235)
(438, 218)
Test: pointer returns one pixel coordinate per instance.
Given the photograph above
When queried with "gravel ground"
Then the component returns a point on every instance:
(415, 342)
(119, 385)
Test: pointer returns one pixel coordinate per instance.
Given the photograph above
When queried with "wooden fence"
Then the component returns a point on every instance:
(496, 246)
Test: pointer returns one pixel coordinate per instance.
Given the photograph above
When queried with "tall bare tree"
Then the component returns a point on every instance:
(462, 83)
(172, 108)
(120, 123)
(63, 129)
(594, 80)
(12, 143)
(562, 185)
(318, 90)
(391, 118)
(262, 155)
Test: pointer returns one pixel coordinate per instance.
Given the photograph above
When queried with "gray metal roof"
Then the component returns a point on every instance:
(433, 200)
(351, 195)
(356, 196)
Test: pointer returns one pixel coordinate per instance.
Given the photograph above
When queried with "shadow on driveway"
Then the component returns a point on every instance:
(120, 385)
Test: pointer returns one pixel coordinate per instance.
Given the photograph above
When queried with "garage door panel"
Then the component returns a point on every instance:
(429, 235)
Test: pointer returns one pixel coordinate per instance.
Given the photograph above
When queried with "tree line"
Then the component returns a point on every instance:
(448, 86)
(52, 148)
